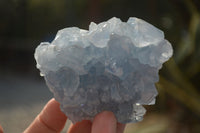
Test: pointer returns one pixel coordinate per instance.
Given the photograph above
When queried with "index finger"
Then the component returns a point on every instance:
(50, 120)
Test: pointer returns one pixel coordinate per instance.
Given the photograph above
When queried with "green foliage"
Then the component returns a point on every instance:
(182, 80)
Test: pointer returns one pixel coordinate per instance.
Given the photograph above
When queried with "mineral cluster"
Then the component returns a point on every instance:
(112, 66)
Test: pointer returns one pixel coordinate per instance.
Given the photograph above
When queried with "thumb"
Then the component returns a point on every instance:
(104, 122)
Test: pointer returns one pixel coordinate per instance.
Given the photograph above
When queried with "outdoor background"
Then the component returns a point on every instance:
(26, 23)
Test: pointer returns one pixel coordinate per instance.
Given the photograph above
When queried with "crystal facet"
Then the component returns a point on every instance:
(112, 66)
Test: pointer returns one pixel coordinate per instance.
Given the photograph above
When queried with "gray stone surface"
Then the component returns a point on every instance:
(112, 66)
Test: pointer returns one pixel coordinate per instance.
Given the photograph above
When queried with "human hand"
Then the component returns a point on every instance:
(52, 120)
(1, 129)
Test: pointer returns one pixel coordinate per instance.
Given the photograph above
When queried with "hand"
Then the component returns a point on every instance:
(1, 129)
(52, 120)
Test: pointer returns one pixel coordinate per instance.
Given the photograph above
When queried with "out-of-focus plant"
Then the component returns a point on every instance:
(182, 80)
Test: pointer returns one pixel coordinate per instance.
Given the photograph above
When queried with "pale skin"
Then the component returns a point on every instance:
(52, 120)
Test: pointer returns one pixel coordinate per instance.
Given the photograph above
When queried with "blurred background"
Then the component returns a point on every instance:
(26, 23)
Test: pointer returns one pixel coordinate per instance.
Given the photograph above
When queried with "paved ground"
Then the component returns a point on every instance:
(21, 99)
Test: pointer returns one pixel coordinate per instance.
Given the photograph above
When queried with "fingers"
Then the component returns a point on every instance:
(104, 122)
(1, 129)
(81, 127)
(50, 120)
(120, 127)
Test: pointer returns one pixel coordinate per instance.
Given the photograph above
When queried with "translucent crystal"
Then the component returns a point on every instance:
(112, 66)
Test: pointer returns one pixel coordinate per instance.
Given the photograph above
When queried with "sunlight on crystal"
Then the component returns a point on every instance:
(112, 67)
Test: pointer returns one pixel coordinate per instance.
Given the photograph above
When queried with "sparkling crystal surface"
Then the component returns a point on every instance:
(112, 66)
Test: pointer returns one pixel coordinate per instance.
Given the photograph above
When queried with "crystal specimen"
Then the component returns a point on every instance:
(112, 66)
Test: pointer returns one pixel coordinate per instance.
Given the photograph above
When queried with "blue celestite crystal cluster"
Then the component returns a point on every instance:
(112, 66)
